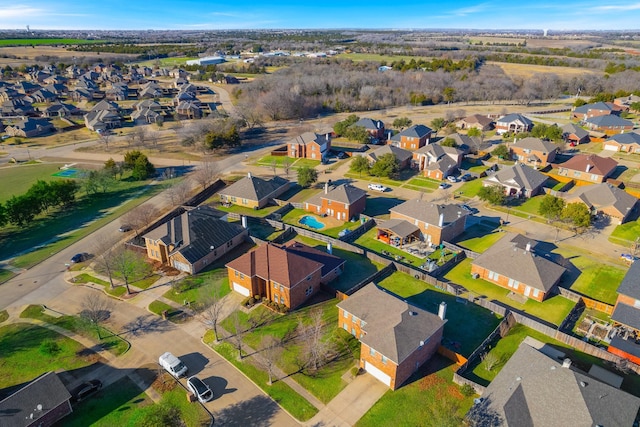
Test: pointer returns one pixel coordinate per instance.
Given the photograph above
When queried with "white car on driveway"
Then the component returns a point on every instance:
(377, 187)
(199, 389)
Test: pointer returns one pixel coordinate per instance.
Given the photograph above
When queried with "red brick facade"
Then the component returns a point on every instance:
(504, 281)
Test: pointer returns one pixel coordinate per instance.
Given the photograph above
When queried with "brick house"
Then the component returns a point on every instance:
(606, 199)
(596, 109)
(342, 202)
(30, 127)
(436, 161)
(573, 133)
(403, 156)
(375, 128)
(518, 180)
(194, 240)
(477, 121)
(533, 152)
(436, 222)
(588, 167)
(288, 275)
(514, 123)
(309, 145)
(396, 337)
(40, 403)
(623, 142)
(254, 192)
(512, 263)
(610, 125)
(626, 314)
(625, 102)
(411, 138)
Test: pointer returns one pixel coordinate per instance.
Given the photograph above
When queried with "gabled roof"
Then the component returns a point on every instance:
(329, 262)
(507, 259)
(401, 154)
(106, 105)
(46, 390)
(509, 118)
(478, 118)
(430, 212)
(627, 315)
(597, 165)
(630, 285)
(533, 389)
(30, 124)
(196, 232)
(253, 188)
(415, 131)
(573, 129)
(628, 138)
(399, 227)
(535, 144)
(519, 175)
(392, 327)
(369, 124)
(276, 263)
(308, 138)
(344, 193)
(603, 195)
(467, 143)
(609, 120)
(600, 106)
(438, 151)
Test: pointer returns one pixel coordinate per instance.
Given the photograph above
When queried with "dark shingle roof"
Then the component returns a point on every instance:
(626, 138)
(399, 227)
(344, 193)
(604, 195)
(630, 285)
(609, 120)
(329, 262)
(415, 131)
(535, 144)
(393, 327)
(574, 129)
(401, 154)
(430, 212)
(533, 389)
(519, 175)
(601, 106)
(627, 315)
(515, 117)
(369, 124)
(254, 188)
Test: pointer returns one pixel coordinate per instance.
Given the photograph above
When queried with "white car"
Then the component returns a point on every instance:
(377, 187)
(200, 389)
(451, 178)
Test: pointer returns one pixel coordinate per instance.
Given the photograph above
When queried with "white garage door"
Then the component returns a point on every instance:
(377, 373)
(611, 147)
(240, 289)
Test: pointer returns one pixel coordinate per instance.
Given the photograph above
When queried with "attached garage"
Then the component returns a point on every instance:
(610, 147)
(378, 374)
(240, 289)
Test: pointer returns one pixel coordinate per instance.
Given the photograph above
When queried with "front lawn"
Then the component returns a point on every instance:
(243, 210)
(116, 291)
(29, 351)
(553, 309)
(5, 275)
(424, 183)
(195, 288)
(530, 205)
(429, 399)
(625, 234)
(470, 188)
(479, 238)
(467, 324)
(269, 160)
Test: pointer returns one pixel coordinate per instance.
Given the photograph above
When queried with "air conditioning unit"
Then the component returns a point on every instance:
(475, 275)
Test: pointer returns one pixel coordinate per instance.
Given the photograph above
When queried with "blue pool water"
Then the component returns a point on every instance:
(66, 173)
(310, 221)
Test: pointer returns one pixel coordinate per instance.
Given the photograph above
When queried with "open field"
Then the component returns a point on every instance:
(41, 42)
(374, 57)
(17, 179)
(528, 70)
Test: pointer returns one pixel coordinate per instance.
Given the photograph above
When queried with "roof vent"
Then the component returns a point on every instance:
(421, 343)
(518, 378)
(566, 363)
(413, 313)
(583, 384)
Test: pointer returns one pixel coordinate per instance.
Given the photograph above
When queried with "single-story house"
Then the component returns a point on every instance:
(534, 389)
(102, 120)
(30, 127)
(412, 138)
(625, 102)
(596, 109)
(403, 156)
(289, 275)
(342, 202)
(534, 152)
(574, 134)
(375, 128)
(41, 403)
(106, 105)
(610, 124)
(436, 161)
(519, 269)
(436, 222)
(514, 123)
(396, 338)
(477, 121)
(606, 199)
(146, 116)
(309, 145)
(628, 142)
(626, 314)
(59, 109)
(254, 192)
(518, 180)
(192, 241)
(469, 144)
(588, 167)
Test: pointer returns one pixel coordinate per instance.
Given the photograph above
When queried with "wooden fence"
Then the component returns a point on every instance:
(457, 358)
(588, 302)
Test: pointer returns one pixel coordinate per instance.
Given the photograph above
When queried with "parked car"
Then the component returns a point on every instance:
(342, 155)
(443, 185)
(452, 178)
(172, 364)
(469, 209)
(124, 228)
(200, 389)
(344, 232)
(81, 257)
(467, 177)
(85, 390)
(377, 187)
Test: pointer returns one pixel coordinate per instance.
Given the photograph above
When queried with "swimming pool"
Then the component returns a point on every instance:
(310, 221)
(66, 173)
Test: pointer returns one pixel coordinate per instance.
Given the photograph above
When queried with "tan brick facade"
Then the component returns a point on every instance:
(504, 281)
(432, 232)
(338, 210)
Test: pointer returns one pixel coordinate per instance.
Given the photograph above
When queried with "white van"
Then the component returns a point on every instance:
(172, 364)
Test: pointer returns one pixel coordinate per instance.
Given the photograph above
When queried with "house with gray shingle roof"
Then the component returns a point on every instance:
(628, 142)
(534, 152)
(595, 109)
(436, 161)
(254, 192)
(436, 222)
(30, 127)
(343, 202)
(626, 314)
(412, 138)
(518, 180)
(606, 199)
(102, 120)
(478, 121)
(403, 156)
(533, 389)
(514, 123)
(374, 127)
(574, 134)
(146, 116)
(609, 124)
(192, 241)
(519, 270)
(396, 337)
(59, 109)
(309, 145)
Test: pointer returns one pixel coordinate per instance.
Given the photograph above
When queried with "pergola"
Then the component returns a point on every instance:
(398, 232)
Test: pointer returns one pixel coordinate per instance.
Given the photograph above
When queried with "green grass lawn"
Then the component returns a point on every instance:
(470, 188)
(243, 210)
(145, 282)
(625, 234)
(4, 315)
(279, 391)
(465, 334)
(424, 183)
(109, 341)
(479, 238)
(195, 288)
(306, 162)
(117, 291)
(553, 310)
(6, 275)
(24, 356)
(429, 399)
(368, 240)
(269, 160)
(530, 205)
(19, 178)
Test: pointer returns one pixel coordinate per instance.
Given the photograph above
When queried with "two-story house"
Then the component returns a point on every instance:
(514, 123)
(595, 109)
(518, 180)
(533, 152)
(436, 161)
(342, 202)
(411, 138)
(626, 314)
(309, 145)
(588, 167)
(375, 128)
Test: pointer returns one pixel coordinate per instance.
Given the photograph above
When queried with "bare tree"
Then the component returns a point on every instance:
(178, 193)
(236, 338)
(490, 361)
(96, 309)
(105, 138)
(286, 165)
(210, 315)
(129, 266)
(154, 137)
(104, 262)
(274, 166)
(141, 216)
(141, 135)
(205, 173)
(270, 350)
(315, 348)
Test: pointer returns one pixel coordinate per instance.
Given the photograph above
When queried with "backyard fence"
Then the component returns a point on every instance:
(588, 302)
(363, 228)
(455, 248)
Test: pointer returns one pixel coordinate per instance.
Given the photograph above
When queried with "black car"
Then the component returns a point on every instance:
(124, 228)
(83, 256)
(85, 390)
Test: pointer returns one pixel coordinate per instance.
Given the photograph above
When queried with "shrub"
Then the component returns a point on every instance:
(355, 371)
(49, 348)
(248, 302)
(467, 390)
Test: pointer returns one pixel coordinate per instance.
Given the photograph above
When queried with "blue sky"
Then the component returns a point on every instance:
(247, 14)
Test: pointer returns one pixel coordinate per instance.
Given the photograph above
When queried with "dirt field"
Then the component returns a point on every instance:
(28, 54)
(527, 70)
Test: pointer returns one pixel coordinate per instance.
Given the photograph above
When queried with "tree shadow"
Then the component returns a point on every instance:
(219, 386)
(145, 324)
(258, 411)
(196, 362)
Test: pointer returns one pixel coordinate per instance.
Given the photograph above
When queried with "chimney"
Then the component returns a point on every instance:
(326, 188)
(328, 136)
(566, 363)
(244, 221)
(442, 310)
(379, 124)
(249, 175)
(441, 220)
(329, 248)
(588, 168)
(390, 134)
(528, 248)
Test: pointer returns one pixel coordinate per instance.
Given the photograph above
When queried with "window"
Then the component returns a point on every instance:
(536, 292)
(372, 352)
(576, 173)
(244, 201)
(275, 286)
(353, 332)
(281, 288)
(241, 276)
(345, 327)
(345, 314)
(384, 360)
(276, 297)
(237, 273)
(230, 243)
(594, 177)
(308, 278)
(309, 291)
(362, 323)
(233, 199)
(281, 299)
(328, 202)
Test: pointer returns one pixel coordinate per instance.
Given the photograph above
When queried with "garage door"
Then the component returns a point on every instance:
(240, 289)
(377, 373)
(611, 147)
